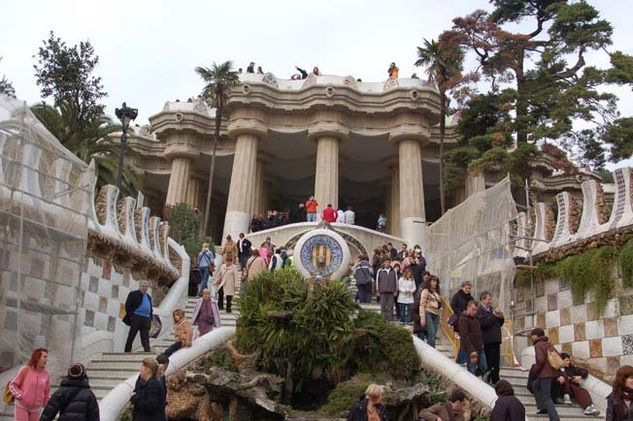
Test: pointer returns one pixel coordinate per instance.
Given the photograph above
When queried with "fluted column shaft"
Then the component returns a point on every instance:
(259, 186)
(178, 181)
(395, 201)
(326, 174)
(193, 192)
(242, 186)
(411, 187)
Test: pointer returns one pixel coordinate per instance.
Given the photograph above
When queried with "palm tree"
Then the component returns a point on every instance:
(93, 142)
(443, 66)
(219, 79)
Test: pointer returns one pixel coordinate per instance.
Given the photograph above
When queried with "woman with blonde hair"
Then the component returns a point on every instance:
(370, 407)
(148, 397)
(182, 332)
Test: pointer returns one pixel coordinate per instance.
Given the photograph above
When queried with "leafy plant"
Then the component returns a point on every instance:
(625, 263)
(184, 229)
(590, 272)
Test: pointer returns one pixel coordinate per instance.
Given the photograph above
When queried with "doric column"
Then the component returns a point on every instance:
(326, 173)
(395, 200)
(258, 193)
(178, 180)
(242, 185)
(194, 192)
(411, 190)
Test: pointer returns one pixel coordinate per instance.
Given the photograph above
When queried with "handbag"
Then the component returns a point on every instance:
(7, 396)
(210, 320)
(554, 359)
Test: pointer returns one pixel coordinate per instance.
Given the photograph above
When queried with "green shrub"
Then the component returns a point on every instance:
(297, 329)
(221, 358)
(625, 263)
(590, 272)
(390, 349)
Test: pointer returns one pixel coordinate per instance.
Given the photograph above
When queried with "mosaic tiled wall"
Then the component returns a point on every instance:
(102, 293)
(603, 340)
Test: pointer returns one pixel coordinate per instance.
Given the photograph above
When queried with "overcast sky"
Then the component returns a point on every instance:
(148, 49)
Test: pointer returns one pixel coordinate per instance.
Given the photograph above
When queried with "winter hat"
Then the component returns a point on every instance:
(76, 371)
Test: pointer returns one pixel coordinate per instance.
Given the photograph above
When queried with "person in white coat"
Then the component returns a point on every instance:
(350, 216)
(340, 216)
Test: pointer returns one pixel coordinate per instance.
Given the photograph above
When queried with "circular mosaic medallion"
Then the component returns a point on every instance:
(322, 252)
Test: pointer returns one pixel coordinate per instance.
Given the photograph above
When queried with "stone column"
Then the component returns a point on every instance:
(326, 174)
(178, 180)
(411, 186)
(395, 201)
(257, 204)
(242, 185)
(194, 192)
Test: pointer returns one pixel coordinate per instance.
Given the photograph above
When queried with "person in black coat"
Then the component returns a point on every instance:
(371, 402)
(148, 397)
(243, 250)
(507, 407)
(491, 321)
(460, 300)
(138, 316)
(73, 400)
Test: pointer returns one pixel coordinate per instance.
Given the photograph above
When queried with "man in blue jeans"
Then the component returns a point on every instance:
(472, 343)
(205, 262)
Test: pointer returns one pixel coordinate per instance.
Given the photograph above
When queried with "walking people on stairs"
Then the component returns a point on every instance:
(490, 321)
(471, 340)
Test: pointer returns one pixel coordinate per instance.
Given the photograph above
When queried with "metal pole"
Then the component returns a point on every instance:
(121, 156)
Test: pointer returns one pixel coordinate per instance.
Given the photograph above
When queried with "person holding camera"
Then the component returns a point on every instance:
(490, 321)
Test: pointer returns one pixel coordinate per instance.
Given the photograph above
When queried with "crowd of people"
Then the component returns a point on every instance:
(392, 72)
(305, 212)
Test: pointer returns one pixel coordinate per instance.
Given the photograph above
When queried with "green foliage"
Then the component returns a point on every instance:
(183, 223)
(542, 77)
(6, 87)
(390, 349)
(625, 263)
(344, 396)
(619, 137)
(606, 175)
(590, 272)
(220, 358)
(493, 159)
(455, 165)
(76, 118)
(319, 324)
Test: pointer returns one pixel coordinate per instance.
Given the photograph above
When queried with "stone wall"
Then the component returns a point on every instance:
(602, 341)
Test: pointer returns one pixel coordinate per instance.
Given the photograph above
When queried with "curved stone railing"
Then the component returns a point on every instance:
(591, 224)
(134, 240)
(368, 239)
(113, 403)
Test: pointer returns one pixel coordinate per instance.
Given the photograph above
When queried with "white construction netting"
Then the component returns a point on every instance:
(472, 242)
(45, 198)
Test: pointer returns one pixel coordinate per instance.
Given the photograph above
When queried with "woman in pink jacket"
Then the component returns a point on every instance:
(31, 388)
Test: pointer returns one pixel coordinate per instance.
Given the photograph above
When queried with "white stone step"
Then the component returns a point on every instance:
(122, 372)
(129, 356)
(114, 365)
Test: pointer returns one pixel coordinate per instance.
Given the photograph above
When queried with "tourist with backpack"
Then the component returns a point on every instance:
(205, 265)
(363, 273)
(545, 371)
(74, 400)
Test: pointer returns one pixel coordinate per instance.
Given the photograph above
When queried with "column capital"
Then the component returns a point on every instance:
(246, 126)
(180, 151)
(410, 132)
(328, 129)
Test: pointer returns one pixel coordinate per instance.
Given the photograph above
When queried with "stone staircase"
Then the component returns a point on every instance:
(517, 377)
(109, 369)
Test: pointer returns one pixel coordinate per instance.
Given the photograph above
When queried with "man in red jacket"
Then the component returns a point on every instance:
(329, 214)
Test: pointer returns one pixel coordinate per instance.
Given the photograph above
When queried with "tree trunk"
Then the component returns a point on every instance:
(216, 138)
(522, 107)
(442, 133)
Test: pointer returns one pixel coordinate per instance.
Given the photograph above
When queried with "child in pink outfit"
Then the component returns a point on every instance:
(31, 388)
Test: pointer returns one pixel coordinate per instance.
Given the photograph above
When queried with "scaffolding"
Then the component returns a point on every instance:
(45, 198)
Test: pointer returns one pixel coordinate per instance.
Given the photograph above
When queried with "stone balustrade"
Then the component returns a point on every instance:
(575, 228)
(135, 240)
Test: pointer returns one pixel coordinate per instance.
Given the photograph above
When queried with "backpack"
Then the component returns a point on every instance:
(363, 275)
(554, 359)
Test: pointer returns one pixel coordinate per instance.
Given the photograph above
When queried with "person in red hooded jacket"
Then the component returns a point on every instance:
(329, 214)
